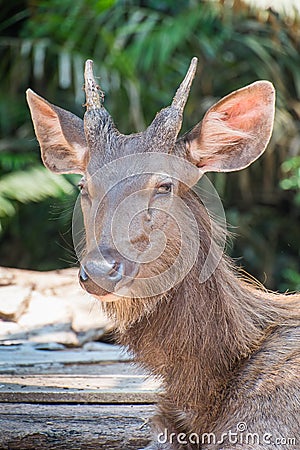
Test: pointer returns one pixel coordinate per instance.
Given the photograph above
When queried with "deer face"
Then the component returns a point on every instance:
(128, 212)
(138, 230)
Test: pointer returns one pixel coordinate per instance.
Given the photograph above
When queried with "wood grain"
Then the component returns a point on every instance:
(73, 399)
(70, 427)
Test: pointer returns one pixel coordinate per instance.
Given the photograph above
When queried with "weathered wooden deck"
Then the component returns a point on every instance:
(73, 399)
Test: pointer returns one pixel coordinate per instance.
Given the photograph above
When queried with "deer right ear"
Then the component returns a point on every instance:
(60, 134)
(235, 131)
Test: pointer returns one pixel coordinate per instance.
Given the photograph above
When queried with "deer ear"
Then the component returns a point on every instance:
(235, 131)
(60, 134)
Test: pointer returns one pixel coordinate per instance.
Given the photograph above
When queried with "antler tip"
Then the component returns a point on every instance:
(182, 93)
(94, 95)
(88, 68)
(193, 66)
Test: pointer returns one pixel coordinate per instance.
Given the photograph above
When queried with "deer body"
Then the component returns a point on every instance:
(214, 381)
(227, 352)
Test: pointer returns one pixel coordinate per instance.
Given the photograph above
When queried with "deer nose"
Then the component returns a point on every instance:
(102, 270)
(93, 269)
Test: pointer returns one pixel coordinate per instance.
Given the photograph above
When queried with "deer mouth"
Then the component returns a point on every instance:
(92, 288)
(103, 295)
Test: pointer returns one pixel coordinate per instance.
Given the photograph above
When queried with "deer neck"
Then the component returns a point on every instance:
(197, 336)
(196, 339)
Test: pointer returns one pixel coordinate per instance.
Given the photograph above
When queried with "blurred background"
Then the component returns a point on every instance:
(141, 51)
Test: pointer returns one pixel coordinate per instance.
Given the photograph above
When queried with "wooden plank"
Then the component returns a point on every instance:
(86, 369)
(28, 375)
(12, 358)
(73, 399)
(111, 388)
(74, 427)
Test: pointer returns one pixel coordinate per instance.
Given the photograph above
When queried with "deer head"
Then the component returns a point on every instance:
(134, 186)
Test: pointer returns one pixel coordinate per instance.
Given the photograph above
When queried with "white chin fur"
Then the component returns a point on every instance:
(108, 297)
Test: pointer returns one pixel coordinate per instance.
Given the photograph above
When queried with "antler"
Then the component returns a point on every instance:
(162, 132)
(166, 125)
(96, 118)
(94, 95)
(183, 91)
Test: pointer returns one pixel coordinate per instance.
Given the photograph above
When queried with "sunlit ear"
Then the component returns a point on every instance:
(60, 134)
(235, 131)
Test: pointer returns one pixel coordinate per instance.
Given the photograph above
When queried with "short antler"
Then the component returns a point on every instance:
(166, 125)
(183, 91)
(93, 93)
(97, 121)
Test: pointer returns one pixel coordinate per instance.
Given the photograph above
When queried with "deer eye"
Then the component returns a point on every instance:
(164, 188)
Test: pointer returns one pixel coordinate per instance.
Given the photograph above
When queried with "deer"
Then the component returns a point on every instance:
(226, 349)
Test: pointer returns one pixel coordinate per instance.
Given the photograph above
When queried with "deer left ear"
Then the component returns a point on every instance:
(235, 131)
(60, 134)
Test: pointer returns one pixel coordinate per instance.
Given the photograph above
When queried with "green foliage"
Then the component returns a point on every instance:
(292, 278)
(31, 185)
(291, 170)
(141, 50)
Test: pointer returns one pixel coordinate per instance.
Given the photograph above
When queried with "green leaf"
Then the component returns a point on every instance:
(33, 185)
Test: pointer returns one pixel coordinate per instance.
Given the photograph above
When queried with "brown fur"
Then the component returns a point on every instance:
(226, 350)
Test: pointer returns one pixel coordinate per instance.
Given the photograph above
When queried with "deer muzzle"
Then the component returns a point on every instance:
(105, 271)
